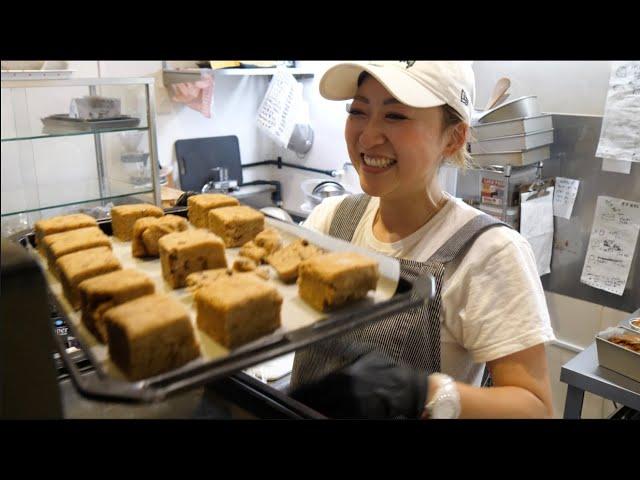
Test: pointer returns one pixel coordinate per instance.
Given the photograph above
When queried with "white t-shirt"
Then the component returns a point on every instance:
(493, 303)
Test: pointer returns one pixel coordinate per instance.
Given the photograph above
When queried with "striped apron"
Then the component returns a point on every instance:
(411, 337)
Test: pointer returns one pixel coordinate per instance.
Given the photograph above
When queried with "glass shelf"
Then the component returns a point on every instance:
(119, 190)
(35, 136)
(52, 165)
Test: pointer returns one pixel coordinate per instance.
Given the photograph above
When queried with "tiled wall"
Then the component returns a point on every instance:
(575, 322)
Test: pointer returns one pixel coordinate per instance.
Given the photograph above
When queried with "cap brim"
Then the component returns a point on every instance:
(340, 82)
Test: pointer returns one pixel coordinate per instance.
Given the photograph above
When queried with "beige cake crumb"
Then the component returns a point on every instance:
(150, 335)
(123, 217)
(238, 309)
(236, 225)
(182, 253)
(78, 266)
(287, 260)
(199, 206)
(100, 293)
(334, 279)
(147, 231)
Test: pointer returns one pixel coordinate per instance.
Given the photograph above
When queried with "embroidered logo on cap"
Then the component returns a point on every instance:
(408, 62)
(463, 97)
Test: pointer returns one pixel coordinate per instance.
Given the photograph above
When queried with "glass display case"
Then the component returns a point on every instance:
(64, 153)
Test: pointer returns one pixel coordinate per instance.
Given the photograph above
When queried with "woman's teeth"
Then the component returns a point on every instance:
(378, 162)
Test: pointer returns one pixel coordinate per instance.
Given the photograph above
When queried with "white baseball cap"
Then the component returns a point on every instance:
(419, 84)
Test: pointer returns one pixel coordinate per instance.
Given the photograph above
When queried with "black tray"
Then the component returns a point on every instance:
(198, 373)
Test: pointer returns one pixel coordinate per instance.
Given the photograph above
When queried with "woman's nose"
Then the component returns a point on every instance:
(371, 135)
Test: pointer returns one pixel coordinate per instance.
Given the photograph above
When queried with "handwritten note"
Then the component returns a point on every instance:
(620, 134)
(536, 225)
(612, 244)
(564, 196)
(279, 109)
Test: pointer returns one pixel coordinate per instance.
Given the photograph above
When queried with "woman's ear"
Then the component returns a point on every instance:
(457, 138)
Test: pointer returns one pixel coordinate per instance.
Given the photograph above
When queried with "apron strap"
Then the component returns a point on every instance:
(348, 215)
(464, 238)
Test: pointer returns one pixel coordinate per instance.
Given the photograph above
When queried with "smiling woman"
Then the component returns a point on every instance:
(405, 120)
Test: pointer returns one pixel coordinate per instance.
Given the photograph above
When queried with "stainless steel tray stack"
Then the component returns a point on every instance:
(108, 385)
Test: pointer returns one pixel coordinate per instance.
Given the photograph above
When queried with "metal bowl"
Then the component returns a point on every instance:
(328, 189)
(519, 108)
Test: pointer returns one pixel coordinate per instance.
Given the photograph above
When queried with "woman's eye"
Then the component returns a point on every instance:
(395, 116)
(355, 112)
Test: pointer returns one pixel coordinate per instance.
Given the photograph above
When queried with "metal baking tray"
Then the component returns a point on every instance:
(512, 143)
(616, 357)
(105, 384)
(627, 323)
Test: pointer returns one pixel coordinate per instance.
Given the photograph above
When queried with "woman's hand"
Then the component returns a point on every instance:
(371, 387)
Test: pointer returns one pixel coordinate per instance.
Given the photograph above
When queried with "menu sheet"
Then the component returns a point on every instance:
(280, 107)
(620, 134)
(564, 196)
(536, 225)
(612, 244)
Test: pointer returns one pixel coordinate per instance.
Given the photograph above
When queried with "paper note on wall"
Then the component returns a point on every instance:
(564, 196)
(620, 133)
(612, 244)
(279, 109)
(536, 225)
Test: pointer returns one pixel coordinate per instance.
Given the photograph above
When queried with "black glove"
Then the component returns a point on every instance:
(371, 387)
(182, 199)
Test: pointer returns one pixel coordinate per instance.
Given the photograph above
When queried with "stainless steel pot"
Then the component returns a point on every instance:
(328, 189)
(519, 108)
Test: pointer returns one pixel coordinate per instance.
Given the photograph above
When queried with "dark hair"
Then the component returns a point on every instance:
(362, 77)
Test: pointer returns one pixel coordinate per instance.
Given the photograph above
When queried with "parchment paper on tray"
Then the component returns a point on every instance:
(295, 312)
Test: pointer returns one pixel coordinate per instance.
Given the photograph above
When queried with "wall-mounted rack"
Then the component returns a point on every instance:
(170, 76)
(279, 163)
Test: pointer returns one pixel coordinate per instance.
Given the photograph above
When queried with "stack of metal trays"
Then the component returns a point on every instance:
(515, 133)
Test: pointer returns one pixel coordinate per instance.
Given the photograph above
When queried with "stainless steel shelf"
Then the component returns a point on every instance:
(71, 133)
(170, 76)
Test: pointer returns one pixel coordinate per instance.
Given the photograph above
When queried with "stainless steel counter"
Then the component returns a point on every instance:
(583, 374)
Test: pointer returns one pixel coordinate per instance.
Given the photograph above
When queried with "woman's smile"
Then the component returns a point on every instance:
(377, 163)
